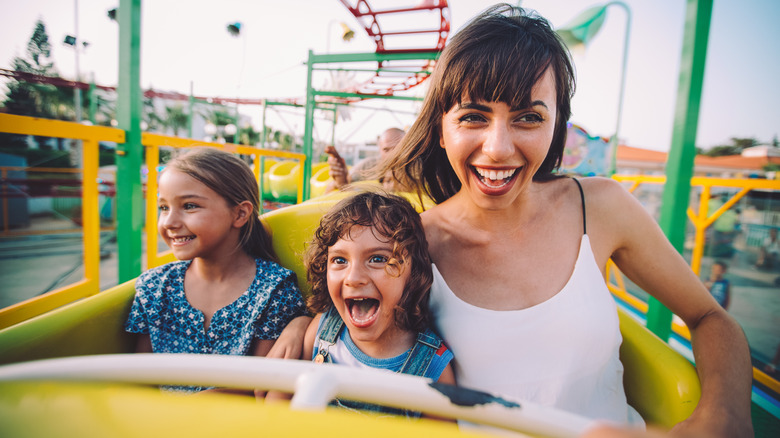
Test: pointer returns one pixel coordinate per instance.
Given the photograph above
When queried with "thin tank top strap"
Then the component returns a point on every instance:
(582, 197)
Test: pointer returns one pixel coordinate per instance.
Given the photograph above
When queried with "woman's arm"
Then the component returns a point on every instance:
(308, 346)
(627, 233)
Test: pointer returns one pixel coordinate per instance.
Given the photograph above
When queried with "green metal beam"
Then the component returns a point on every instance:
(129, 193)
(679, 167)
(308, 128)
(190, 110)
(363, 96)
(370, 57)
(273, 103)
(92, 96)
(376, 70)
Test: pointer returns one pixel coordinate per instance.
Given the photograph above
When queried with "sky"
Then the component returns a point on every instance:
(186, 44)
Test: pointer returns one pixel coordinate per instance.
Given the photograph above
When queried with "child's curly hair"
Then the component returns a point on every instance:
(391, 217)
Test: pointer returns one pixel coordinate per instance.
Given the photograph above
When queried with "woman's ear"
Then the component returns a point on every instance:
(243, 212)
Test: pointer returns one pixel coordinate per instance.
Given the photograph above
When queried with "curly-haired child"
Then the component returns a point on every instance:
(370, 273)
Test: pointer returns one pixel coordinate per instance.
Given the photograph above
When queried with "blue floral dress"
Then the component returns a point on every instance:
(161, 310)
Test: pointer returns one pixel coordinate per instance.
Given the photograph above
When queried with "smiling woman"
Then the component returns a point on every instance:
(519, 252)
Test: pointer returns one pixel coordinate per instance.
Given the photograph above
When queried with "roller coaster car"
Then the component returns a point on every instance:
(660, 383)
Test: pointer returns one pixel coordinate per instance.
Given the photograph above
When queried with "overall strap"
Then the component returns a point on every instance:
(427, 344)
(331, 327)
(582, 197)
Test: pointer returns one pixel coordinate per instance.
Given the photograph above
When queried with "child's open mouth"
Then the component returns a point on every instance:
(362, 311)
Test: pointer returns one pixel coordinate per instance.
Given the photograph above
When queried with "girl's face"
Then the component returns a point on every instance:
(195, 221)
(364, 289)
(495, 150)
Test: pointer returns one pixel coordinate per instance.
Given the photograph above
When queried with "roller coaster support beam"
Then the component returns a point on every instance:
(311, 93)
(679, 167)
(129, 156)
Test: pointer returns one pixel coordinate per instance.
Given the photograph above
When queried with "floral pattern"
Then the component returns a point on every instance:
(161, 309)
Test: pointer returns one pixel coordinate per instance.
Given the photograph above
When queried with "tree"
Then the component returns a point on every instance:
(33, 98)
(221, 117)
(248, 135)
(175, 118)
(735, 148)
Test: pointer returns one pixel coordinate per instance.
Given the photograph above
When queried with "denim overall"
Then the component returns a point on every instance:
(416, 364)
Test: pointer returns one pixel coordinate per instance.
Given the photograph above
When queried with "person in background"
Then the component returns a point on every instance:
(719, 287)
(769, 251)
(364, 169)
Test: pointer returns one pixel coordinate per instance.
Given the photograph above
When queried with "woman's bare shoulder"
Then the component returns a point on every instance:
(605, 195)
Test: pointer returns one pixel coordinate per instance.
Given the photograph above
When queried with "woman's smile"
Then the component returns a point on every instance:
(494, 148)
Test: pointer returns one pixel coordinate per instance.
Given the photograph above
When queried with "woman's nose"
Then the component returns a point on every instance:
(498, 143)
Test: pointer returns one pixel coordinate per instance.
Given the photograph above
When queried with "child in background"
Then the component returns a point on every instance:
(370, 273)
(719, 287)
(227, 295)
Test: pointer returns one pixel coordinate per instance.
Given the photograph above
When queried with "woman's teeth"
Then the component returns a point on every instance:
(493, 177)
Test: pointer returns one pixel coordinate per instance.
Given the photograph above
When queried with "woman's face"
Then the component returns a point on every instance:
(495, 150)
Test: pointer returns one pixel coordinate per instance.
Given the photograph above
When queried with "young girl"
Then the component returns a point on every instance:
(227, 295)
(370, 273)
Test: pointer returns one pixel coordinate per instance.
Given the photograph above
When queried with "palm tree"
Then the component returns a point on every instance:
(175, 118)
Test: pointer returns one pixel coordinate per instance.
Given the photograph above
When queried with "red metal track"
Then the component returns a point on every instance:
(370, 20)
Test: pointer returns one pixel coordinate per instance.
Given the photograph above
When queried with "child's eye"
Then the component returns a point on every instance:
(338, 260)
(162, 207)
(190, 206)
(377, 259)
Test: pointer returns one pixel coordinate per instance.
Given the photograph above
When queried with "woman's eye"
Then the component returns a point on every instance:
(472, 118)
(377, 259)
(531, 118)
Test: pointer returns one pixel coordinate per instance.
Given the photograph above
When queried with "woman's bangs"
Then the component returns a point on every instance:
(493, 74)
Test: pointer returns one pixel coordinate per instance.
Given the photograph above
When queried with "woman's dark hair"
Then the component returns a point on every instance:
(497, 57)
(392, 218)
(233, 180)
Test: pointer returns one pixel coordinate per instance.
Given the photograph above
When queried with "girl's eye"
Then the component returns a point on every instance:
(162, 207)
(190, 206)
(377, 259)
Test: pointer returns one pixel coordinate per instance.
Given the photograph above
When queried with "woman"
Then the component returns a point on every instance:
(519, 253)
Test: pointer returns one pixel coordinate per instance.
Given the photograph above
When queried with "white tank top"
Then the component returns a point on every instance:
(562, 352)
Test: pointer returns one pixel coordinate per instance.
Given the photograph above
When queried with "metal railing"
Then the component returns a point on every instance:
(90, 137)
(701, 221)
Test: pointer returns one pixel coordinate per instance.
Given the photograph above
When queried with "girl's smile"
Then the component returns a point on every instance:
(194, 220)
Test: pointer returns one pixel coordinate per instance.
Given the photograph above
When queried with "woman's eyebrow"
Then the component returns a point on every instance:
(533, 104)
(475, 106)
(485, 108)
